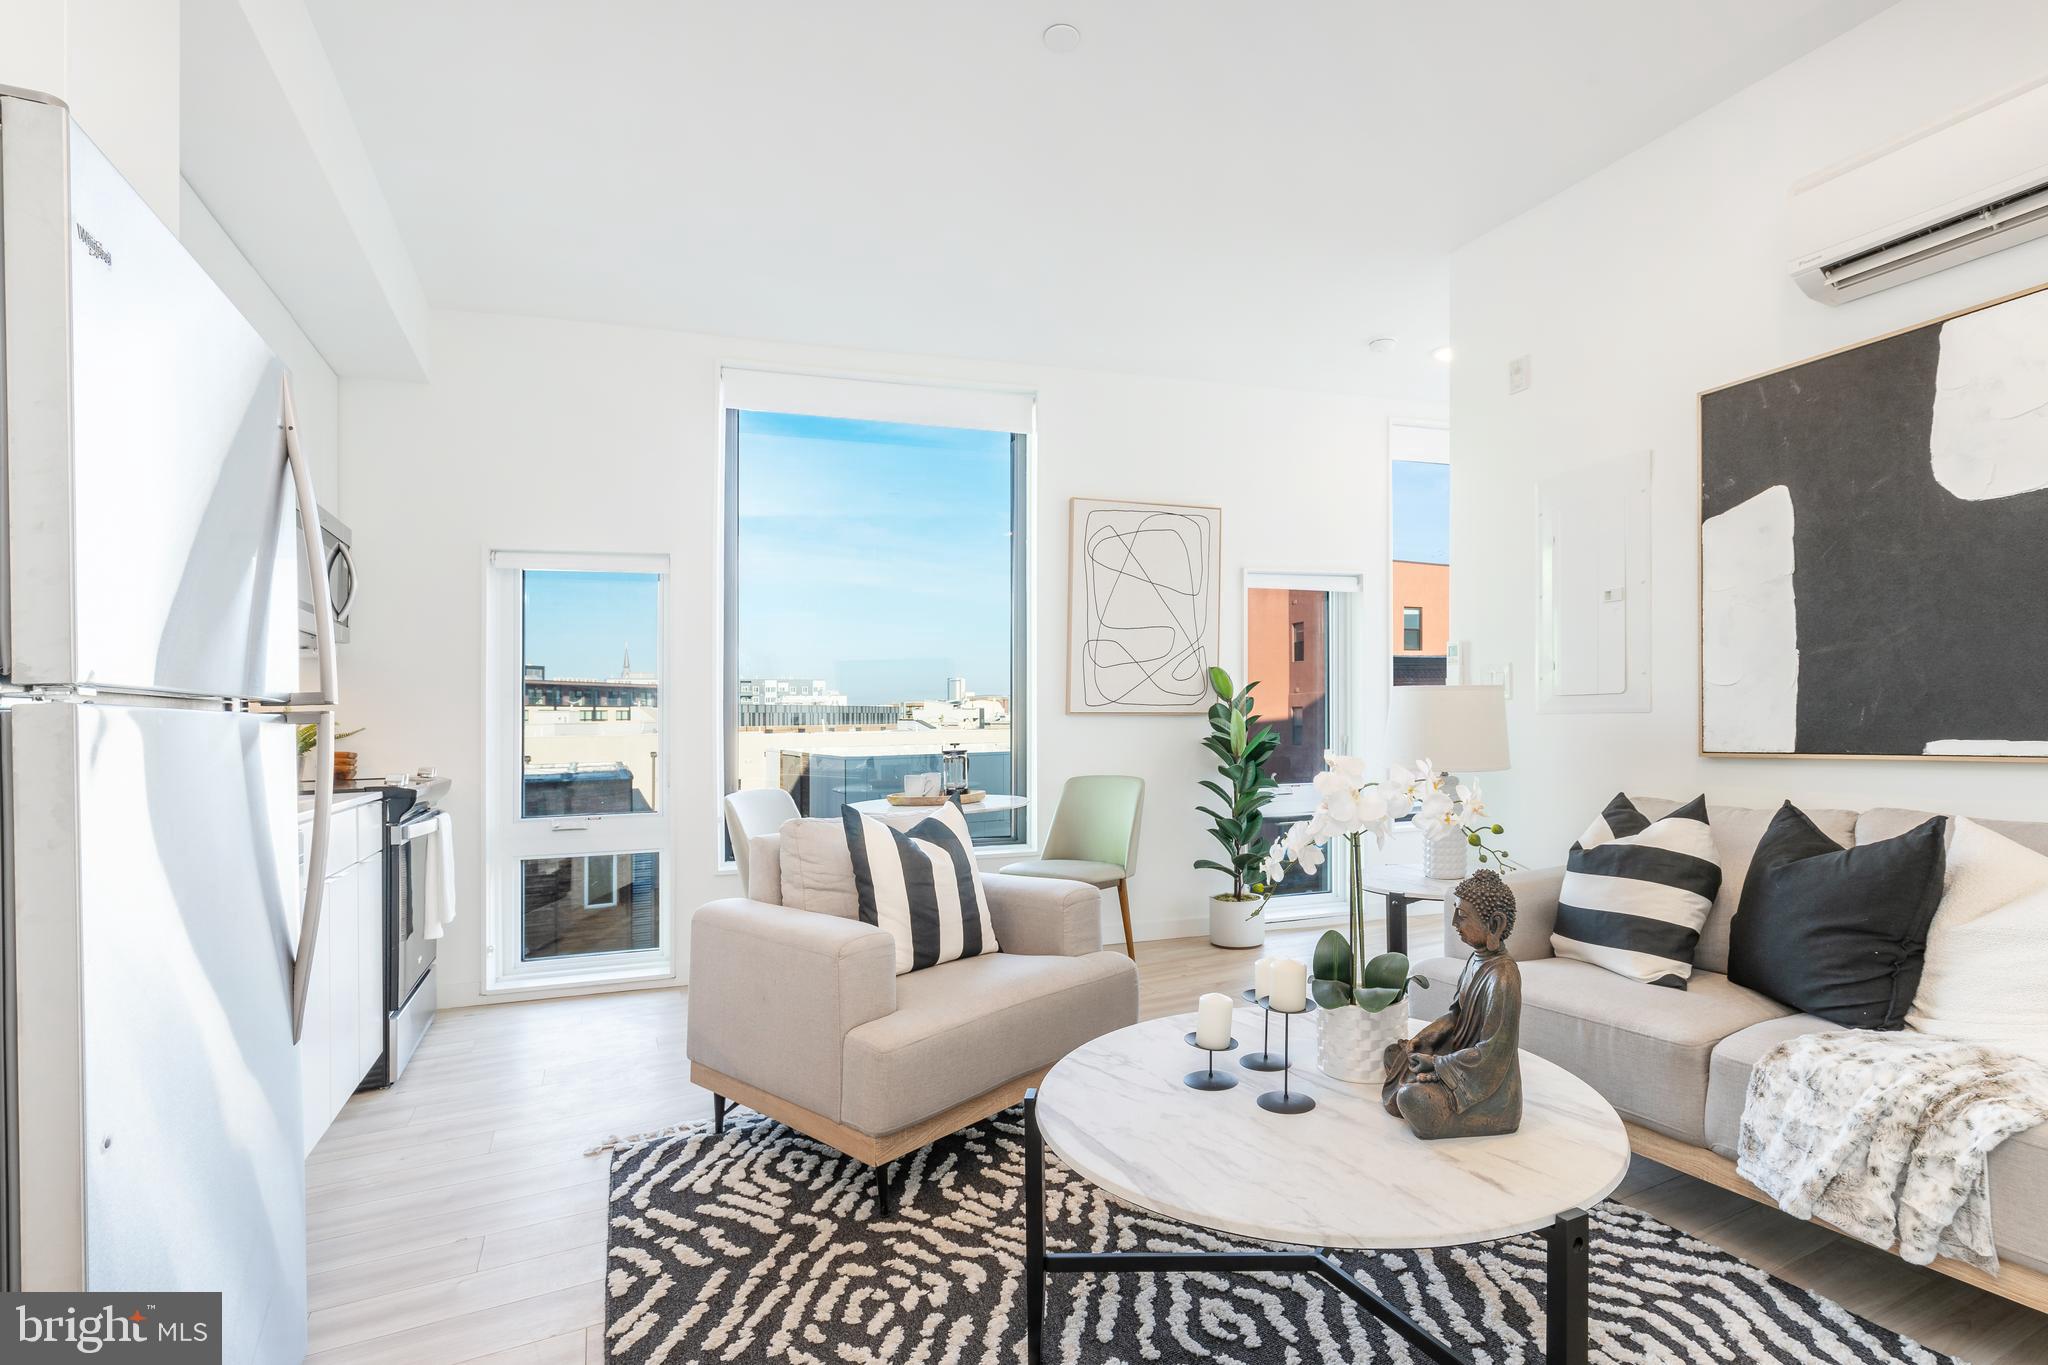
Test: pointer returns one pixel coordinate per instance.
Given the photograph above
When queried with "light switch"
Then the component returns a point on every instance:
(1519, 377)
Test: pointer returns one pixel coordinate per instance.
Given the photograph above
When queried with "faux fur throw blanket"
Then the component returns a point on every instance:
(1888, 1136)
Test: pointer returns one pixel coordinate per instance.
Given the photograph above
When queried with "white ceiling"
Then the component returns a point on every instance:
(1223, 190)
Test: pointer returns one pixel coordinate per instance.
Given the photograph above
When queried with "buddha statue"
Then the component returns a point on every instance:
(1461, 1075)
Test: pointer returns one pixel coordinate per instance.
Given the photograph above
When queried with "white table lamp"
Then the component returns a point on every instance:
(1459, 730)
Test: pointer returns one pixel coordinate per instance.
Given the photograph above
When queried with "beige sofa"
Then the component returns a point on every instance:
(796, 1009)
(1676, 1064)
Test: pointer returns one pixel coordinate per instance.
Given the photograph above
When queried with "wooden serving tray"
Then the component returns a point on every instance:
(966, 799)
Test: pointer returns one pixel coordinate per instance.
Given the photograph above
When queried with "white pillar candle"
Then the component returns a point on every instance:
(1212, 1021)
(1262, 977)
(1290, 985)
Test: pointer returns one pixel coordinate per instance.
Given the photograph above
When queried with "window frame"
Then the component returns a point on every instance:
(1344, 642)
(1022, 449)
(510, 838)
(1413, 632)
(1412, 440)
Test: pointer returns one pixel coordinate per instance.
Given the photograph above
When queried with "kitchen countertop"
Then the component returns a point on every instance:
(342, 801)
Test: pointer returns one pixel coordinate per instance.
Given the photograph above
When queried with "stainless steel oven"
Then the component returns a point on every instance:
(338, 563)
(409, 990)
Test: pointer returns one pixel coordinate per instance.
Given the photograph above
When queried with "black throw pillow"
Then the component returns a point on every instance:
(1839, 933)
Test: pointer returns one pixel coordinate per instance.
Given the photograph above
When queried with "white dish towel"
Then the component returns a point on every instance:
(437, 887)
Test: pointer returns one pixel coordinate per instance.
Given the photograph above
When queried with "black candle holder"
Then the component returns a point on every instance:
(1284, 1100)
(1210, 1079)
(1265, 1059)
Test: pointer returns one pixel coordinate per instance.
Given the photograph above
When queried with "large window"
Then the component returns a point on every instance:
(577, 839)
(874, 604)
(1421, 539)
(1299, 648)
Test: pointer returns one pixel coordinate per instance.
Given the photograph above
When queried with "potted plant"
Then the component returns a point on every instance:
(1357, 995)
(309, 739)
(1244, 792)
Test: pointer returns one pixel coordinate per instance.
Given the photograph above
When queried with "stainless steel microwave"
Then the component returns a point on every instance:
(340, 568)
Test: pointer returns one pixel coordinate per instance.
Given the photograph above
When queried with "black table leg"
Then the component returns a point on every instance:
(1568, 1239)
(718, 1104)
(1034, 1230)
(885, 1195)
(1397, 923)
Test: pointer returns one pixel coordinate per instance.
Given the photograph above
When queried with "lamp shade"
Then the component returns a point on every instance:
(1458, 729)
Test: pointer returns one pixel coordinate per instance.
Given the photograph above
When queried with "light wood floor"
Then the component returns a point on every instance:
(454, 1218)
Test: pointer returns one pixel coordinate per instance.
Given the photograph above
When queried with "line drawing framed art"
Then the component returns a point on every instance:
(1144, 594)
(1873, 534)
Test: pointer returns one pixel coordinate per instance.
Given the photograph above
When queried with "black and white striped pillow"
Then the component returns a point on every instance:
(922, 886)
(1636, 892)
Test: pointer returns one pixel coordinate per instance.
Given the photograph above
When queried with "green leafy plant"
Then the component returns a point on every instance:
(309, 736)
(1245, 790)
(1381, 982)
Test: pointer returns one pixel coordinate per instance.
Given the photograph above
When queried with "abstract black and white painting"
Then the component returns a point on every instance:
(1874, 547)
(1142, 615)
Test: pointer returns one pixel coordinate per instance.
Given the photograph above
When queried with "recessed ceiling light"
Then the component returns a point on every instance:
(1062, 38)
(1381, 345)
(1442, 355)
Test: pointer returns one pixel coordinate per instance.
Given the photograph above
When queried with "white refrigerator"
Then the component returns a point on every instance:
(148, 797)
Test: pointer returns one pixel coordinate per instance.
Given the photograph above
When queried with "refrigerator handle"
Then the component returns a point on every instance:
(322, 706)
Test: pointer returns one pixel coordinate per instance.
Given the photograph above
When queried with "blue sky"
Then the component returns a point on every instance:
(874, 555)
(1422, 512)
(871, 554)
(580, 625)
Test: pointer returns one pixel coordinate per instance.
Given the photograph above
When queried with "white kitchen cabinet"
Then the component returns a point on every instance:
(370, 963)
(338, 963)
(344, 1028)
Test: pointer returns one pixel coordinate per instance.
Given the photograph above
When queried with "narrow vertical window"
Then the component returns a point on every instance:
(1420, 574)
(1300, 640)
(576, 833)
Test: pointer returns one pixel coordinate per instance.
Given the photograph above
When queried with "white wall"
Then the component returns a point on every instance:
(1660, 276)
(551, 435)
(115, 62)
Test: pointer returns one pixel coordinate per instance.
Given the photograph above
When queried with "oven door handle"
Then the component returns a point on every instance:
(410, 830)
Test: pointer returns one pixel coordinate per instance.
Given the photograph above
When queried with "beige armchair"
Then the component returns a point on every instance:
(796, 1009)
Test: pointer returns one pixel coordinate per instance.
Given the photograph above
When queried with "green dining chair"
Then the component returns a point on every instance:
(1094, 838)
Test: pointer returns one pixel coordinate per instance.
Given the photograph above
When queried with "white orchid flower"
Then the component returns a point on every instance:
(1310, 858)
(1437, 809)
(1349, 770)
(1414, 784)
(1341, 807)
(1471, 801)
(1275, 865)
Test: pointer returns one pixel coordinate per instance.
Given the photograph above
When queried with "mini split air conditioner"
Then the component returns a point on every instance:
(1971, 185)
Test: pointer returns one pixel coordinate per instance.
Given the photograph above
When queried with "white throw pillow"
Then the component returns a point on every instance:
(817, 873)
(1986, 973)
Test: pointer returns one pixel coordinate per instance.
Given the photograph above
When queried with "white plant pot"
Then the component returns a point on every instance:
(1232, 924)
(1351, 1043)
(1446, 855)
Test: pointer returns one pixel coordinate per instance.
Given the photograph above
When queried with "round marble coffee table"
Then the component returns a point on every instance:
(1345, 1175)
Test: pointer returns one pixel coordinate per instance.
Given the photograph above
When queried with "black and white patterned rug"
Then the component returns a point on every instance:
(761, 1245)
